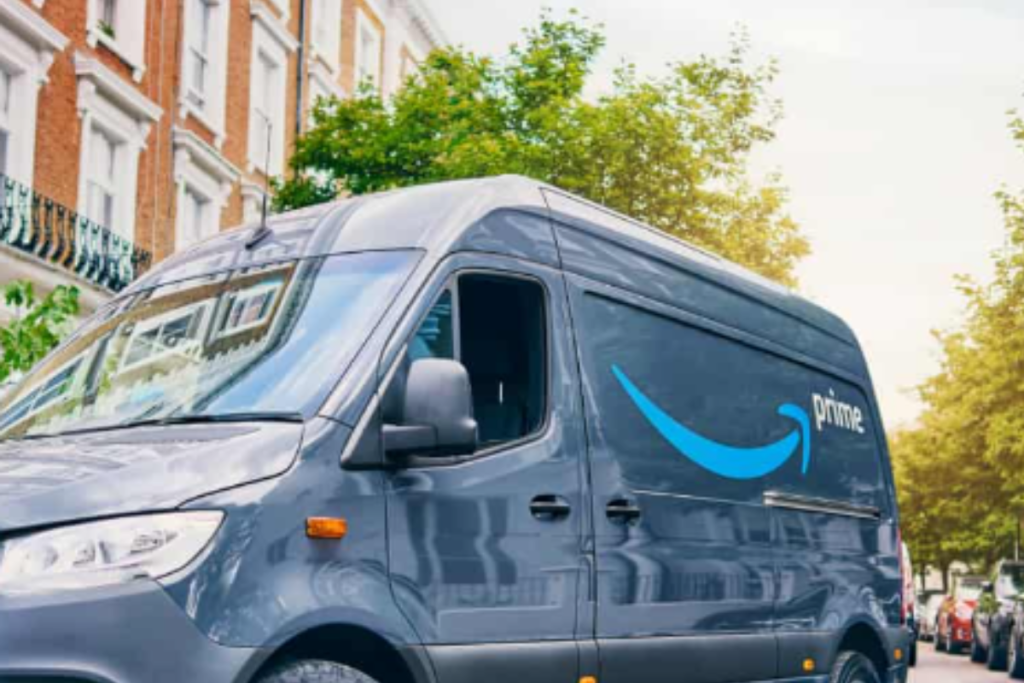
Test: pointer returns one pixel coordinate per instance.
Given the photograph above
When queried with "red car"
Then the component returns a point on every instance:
(953, 630)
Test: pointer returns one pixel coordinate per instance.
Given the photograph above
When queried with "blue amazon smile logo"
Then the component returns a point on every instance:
(721, 459)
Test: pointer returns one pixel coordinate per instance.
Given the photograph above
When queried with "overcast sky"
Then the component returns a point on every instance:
(893, 142)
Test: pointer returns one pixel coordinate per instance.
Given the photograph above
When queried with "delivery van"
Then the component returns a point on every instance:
(472, 431)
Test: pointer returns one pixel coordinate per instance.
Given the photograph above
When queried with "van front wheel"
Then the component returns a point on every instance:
(853, 667)
(314, 671)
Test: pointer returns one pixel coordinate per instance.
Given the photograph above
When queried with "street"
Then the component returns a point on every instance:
(939, 667)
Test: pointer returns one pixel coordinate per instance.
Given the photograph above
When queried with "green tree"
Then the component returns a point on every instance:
(37, 327)
(672, 151)
(960, 472)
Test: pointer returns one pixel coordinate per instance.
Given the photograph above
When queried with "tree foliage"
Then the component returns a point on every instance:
(37, 327)
(671, 150)
(960, 471)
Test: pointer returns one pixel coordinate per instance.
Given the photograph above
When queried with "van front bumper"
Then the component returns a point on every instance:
(128, 634)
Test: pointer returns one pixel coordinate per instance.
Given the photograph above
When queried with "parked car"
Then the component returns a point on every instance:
(928, 604)
(993, 617)
(470, 431)
(910, 602)
(953, 631)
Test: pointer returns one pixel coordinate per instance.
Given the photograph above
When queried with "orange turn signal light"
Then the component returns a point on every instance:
(808, 665)
(326, 527)
(588, 679)
(898, 654)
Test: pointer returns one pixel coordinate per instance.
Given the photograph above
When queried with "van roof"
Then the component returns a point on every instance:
(435, 217)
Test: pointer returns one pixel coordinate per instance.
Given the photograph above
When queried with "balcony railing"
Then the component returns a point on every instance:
(39, 226)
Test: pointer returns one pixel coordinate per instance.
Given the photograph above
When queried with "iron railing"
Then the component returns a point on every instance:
(47, 230)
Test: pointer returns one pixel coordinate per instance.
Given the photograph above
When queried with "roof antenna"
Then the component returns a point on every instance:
(263, 231)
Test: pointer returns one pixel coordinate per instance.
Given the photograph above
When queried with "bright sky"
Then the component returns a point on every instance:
(893, 142)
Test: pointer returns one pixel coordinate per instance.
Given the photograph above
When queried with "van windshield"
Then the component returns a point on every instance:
(271, 339)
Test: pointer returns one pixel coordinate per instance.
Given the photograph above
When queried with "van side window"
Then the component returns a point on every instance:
(689, 412)
(496, 327)
(435, 337)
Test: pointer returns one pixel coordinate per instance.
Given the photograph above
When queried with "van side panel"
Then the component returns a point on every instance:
(614, 263)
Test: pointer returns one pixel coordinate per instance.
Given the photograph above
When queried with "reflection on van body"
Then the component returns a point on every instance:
(393, 435)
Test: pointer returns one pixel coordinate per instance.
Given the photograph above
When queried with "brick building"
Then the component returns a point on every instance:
(132, 128)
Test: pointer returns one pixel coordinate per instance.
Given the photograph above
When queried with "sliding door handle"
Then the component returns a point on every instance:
(622, 511)
(548, 507)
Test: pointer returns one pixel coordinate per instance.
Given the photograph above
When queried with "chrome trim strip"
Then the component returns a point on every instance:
(827, 506)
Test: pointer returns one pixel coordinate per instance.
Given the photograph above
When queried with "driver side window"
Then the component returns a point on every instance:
(496, 327)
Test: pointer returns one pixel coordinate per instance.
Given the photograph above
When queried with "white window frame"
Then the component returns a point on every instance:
(365, 26)
(28, 45)
(322, 83)
(199, 169)
(272, 42)
(105, 182)
(126, 116)
(210, 107)
(325, 41)
(129, 39)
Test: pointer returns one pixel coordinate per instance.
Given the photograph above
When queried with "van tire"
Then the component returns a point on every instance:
(853, 667)
(314, 671)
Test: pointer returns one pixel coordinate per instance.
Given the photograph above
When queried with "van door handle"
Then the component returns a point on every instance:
(622, 511)
(548, 507)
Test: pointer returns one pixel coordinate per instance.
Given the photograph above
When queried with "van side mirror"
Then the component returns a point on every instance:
(436, 412)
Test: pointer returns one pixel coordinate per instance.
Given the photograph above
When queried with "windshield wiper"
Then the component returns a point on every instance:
(213, 419)
(174, 420)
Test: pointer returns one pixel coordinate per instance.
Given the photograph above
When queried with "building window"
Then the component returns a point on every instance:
(116, 123)
(101, 183)
(120, 26)
(204, 68)
(408, 68)
(326, 18)
(108, 15)
(205, 182)
(264, 121)
(28, 45)
(195, 209)
(368, 52)
(272, 44)
(199, 51)
(5, 126)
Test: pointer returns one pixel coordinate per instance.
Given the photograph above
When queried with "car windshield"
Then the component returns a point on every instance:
(270, 340)
(1010, 581)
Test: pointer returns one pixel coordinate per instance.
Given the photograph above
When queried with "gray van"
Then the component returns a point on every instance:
(473, 431)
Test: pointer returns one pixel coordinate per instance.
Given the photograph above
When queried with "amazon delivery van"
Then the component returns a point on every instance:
(473, 431)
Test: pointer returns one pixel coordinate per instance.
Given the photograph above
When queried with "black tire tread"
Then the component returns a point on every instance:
(314, 671)
(848, 663)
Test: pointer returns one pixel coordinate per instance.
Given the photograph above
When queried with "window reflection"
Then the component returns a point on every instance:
(272, 338)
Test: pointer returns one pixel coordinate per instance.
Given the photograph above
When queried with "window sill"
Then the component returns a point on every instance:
(190, 109)
(321, 55)
(96, 37)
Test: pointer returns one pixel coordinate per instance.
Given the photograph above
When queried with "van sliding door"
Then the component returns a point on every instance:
(675, 418)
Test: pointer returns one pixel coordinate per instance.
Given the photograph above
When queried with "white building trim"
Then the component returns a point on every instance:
(284, 8)
(252, 202)
(366, 26)
(274, 26)
(28, 45)
(200, 170)
(96, 80)
(109, 106)
(129, 39)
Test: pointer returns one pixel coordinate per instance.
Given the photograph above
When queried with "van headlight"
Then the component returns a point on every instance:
(105, 553)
